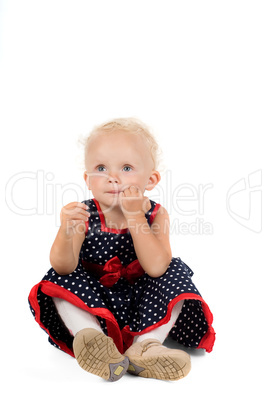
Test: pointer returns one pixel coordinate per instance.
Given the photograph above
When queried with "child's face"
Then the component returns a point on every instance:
(115, 161)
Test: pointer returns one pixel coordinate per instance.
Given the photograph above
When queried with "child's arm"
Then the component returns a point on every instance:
(64, 254)
(151, 244)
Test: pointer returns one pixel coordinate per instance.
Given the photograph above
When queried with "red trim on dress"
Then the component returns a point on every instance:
(35, 305)
(122, 338)
(53, 290)
(86, 227)
(154, 213)
(206, 342)
(104, 228)
(208, 339)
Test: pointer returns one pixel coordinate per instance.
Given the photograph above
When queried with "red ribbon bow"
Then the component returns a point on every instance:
(115, 270)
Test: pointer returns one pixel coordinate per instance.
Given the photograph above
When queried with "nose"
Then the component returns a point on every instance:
(113, 178)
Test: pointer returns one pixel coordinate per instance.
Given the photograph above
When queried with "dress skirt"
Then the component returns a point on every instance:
(126, 308)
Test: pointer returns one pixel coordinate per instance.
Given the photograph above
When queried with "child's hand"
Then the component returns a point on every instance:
(133, 203)
(73, 217)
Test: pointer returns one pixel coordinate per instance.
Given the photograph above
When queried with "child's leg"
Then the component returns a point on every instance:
(94, 351)
(74, 317)
(162, 332)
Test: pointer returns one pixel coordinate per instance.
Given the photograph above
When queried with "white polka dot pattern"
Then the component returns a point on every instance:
(139, 306)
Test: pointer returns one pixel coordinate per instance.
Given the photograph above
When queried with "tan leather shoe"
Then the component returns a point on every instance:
(152, 360)
(97, 354)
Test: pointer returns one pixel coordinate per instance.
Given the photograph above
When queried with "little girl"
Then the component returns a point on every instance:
(115, 292)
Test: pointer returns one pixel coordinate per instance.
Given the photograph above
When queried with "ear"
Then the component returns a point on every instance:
(153, 180)
(86, 179)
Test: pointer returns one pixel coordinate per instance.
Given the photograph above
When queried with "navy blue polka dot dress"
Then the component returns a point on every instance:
(110, 283)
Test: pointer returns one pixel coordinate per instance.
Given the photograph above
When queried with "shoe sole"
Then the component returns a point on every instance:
(165, 367)
(97, 354)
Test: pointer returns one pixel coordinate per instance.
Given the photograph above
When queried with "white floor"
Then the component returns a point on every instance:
(33, 370)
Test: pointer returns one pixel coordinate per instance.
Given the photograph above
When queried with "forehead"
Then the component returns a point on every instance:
(115, 135)
(117, 143)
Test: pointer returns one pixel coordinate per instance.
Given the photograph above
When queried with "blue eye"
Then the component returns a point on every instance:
(127, 168)
(101, 168)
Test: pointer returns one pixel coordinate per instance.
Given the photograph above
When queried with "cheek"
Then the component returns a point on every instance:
(94, 181)
(129, 179)
(134, 180)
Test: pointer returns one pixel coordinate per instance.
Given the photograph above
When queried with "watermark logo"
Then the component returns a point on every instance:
(244, 201)
(185, 203)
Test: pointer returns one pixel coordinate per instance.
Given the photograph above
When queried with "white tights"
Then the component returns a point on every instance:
(74, 317)
(162, 332)
(77, 319)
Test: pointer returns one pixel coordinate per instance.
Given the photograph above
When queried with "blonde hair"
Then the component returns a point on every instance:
(132, 125)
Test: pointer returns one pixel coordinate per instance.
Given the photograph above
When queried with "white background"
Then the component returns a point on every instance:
(194, 71)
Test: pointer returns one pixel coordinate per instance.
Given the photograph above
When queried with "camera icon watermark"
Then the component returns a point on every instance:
(186, 203)
(244, 201)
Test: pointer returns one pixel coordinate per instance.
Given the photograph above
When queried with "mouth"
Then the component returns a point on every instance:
(114, 192)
